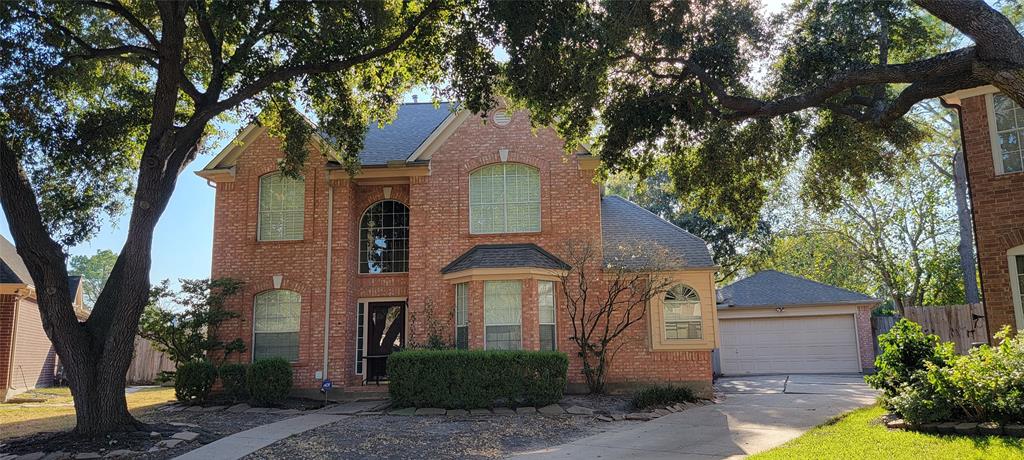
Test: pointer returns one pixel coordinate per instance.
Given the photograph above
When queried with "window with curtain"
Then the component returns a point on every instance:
(384, 238)
(504, 198)
(1009, 126)
(282, 205)
(462, 316)
(503, 311)
(682, 313)
(546, 312)
(276, 325)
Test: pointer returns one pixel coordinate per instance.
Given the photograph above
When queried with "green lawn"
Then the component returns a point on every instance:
(861, 435)
(57, 414)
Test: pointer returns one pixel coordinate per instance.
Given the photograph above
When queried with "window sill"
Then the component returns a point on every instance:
(485, 235)
(281, 241)
(381, 275)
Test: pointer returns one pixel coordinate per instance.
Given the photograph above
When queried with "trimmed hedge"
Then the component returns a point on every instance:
(232, 378)
(472, 379)
(270, 380)
(193, 381)
(662, 395)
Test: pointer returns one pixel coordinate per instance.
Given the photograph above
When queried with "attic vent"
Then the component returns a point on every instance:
(502, 117)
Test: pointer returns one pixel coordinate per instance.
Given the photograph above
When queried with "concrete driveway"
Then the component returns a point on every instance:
(757, 414)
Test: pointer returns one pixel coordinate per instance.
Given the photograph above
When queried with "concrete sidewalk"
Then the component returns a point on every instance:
(241, 444)
(758, 413)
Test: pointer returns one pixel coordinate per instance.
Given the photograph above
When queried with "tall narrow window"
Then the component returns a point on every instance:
(360, 333)
(462, 316)
(546, 307)
(384, 238)
(276, 325)
(504, 198)
(503, 311)
(1020, 290)
(282, 205)
(682, 313)
(1007, 132)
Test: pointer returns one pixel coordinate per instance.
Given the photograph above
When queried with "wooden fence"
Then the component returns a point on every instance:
(964, 325)
(147, 363)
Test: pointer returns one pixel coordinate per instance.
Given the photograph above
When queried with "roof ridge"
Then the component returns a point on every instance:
(818, 283)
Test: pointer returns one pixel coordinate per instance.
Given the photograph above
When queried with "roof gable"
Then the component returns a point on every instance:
(12, 268)
(625, 224)
(772, 288)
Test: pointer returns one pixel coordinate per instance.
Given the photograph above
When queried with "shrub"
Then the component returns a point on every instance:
(270, 380)
(232, 378)
(906, 352)
(193, 381)
(470, 379)
(919, 403)
(662, 395)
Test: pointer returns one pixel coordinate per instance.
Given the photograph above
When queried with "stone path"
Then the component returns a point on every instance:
(241, 444)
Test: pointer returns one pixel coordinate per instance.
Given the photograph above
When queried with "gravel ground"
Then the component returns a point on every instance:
(603, 404)
(397, 437)
(212, 426)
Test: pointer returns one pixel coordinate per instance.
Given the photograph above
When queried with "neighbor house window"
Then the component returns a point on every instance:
(503, 311)
(546, 307)
(276, 325)
(682, 313)
(282, 201)
(1006, 134)
(384, 238)
(462, 316)
(504, 198)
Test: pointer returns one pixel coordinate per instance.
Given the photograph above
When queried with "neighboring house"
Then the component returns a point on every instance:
(777, 323)
(991, 127)
(456, 224)
(27, 358)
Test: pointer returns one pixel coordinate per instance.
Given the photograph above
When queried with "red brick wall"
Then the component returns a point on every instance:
(998, 205)
(439, 232)
(864, 336)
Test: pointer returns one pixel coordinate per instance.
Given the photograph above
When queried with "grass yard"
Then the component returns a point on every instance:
(55, 413)
(861, 435)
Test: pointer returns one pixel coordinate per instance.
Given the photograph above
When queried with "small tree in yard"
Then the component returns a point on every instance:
(188, 335)
(605, 298)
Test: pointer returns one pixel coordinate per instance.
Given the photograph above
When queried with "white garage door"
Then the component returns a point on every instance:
(810, 344)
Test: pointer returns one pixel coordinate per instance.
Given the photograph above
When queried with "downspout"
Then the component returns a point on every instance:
(327, 296)
(974, 218)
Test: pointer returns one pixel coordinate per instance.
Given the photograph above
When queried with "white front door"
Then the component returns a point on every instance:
(802, 344)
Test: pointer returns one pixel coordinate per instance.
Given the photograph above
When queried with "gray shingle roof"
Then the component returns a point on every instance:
(770, 288)
(12, 268)
(505, 256)
(396, 141)
(625, 227)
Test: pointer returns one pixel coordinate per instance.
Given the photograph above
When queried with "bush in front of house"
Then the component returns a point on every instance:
(233, 379)
(662, 395)
(269, 381)
(193, 381)
(472, 379)
(986, 385)
(906, 353)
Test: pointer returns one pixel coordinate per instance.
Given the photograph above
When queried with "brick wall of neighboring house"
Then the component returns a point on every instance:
(998, 206)
(439, 232)
(865, 337)
(8, 305)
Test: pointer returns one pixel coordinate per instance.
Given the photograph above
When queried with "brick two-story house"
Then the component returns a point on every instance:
(991, 126)
(457, 223)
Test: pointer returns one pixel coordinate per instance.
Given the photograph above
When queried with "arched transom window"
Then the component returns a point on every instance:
(384, 238)
(282, 201)
(682, 313)
(276, 325)
(504, 198)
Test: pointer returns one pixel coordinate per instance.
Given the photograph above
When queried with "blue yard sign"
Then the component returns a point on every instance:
(326, 385)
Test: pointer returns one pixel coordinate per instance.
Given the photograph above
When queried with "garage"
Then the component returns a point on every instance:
(776, 323)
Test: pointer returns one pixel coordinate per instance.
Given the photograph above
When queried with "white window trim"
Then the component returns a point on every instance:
(520, 323)
(464, 286)
(1018, 308)
(993, 136)
(505, 203)
(259, 212)
(554, 315)
(252, 356)
(665, 321)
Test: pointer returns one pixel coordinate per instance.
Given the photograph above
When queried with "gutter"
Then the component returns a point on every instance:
(974, 219)
(327, 295)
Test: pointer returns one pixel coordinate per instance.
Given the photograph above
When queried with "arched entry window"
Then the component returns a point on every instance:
(682, 313)
(384, 238)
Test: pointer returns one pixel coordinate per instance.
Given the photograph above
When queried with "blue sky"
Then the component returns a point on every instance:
(183, 242)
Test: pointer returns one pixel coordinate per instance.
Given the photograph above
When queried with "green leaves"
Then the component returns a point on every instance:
(186, 332)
